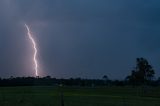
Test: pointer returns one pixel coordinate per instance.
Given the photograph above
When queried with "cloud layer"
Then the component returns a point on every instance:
(79, 38)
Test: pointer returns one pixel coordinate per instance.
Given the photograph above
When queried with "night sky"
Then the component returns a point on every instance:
(79, 38)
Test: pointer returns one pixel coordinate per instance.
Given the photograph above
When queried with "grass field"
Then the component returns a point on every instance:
(78, 96)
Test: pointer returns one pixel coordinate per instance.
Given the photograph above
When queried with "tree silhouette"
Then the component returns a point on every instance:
(106, 79)
(142, 73)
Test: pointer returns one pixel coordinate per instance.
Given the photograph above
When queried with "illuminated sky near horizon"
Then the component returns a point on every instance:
(79, 38)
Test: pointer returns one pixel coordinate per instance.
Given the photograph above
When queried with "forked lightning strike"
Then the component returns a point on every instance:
(35, 49)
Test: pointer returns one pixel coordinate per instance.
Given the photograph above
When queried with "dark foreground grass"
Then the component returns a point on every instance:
(78, 96)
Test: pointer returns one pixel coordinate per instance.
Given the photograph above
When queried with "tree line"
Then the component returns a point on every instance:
(142, 74)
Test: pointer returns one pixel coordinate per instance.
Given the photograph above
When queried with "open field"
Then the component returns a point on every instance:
(78, 96)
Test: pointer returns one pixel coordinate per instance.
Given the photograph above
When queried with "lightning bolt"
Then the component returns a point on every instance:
(35, 49)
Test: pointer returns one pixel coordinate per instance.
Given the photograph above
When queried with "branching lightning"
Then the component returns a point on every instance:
(35, 49)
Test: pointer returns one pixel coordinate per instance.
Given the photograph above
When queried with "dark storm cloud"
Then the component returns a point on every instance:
(79, 38)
